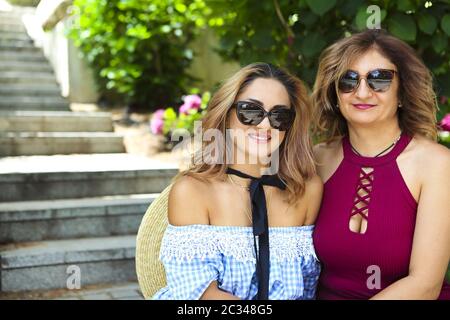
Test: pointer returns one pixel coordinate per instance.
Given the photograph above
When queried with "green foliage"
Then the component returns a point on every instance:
(292, 33)
(444, 138)
(448, 274)
(138, 48)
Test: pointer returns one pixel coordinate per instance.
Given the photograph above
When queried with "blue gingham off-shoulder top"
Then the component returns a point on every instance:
(195, 255)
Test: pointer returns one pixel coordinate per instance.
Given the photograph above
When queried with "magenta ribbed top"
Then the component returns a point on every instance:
(347, 256)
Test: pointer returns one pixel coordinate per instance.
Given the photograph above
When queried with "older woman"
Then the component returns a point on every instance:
(383, 230)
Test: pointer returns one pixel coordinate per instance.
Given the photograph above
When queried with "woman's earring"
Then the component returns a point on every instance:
(337, 105)
(399, 105)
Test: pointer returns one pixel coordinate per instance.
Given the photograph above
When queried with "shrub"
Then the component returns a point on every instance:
(292, 34)
(138, 49)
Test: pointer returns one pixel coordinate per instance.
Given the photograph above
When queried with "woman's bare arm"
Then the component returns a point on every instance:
(431, 244)
(187, 206)
(214, 293)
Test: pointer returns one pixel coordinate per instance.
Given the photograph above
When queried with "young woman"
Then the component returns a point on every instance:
(383, 230)
(237, 230)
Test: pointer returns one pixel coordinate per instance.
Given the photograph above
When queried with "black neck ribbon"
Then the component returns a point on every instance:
(260, 226)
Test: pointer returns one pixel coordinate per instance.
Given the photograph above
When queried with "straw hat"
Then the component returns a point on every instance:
(150, 271)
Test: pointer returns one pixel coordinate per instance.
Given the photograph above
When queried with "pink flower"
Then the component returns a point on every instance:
(445, 122)
(192, 101)
(157, 122)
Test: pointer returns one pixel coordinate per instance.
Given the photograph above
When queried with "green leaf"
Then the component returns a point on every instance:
(138, 31)
(444, 85)
(166, 28)
(350, 8)
(320, 7)
(444, 138)
(405, 5)
(262, 38)
(439, 42)
(180, 7)
(311, 45)
(169, 114)
(361, 18)
(427, 23)
(402, 26)
(308, 18)
(445, 24)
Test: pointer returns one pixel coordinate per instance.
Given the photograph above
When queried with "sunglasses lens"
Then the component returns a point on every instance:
(380, 80)
(348, 81)
(249, 113)
(281, 118)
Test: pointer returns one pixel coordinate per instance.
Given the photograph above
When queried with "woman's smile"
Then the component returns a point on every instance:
(363, 106)
(260, 137)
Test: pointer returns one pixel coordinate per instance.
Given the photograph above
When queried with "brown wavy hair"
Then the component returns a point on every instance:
(416, 94)
(296, 164)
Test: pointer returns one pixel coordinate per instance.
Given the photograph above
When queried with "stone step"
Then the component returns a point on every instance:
(10, 14)
(23, 6)
(50, 143)
(12, 27)
(33, 90)
(5, 35)
(44, 108)
(11, 20)
(27, 66)
(13, 56)
(72, 218)
(52, 264)
(34, 103)
(26, 77)
(13, 16)
(17, 45)
(56, 121)
(25, 42)
(81, 176)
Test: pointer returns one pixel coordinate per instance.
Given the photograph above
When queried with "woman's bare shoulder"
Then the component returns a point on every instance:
(328, 156)
(426, 159)
(324, 150)
(314, 185)
(429, 153)
(314, 188)
(188, 201)
(312, 197)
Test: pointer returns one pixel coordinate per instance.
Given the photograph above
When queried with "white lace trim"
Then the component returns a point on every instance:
(202, 242)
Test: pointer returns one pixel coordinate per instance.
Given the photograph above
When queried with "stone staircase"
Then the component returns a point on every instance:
(83, 210)
(26, 77)
(69, 194)
(56, 132)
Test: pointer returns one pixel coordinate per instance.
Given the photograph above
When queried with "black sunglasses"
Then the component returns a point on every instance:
(252, 114)
(379, 80)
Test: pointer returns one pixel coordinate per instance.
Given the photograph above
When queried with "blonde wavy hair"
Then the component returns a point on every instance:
(416, 94)
(296, 164)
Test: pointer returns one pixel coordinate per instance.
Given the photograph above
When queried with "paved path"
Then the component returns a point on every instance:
(125, 291)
